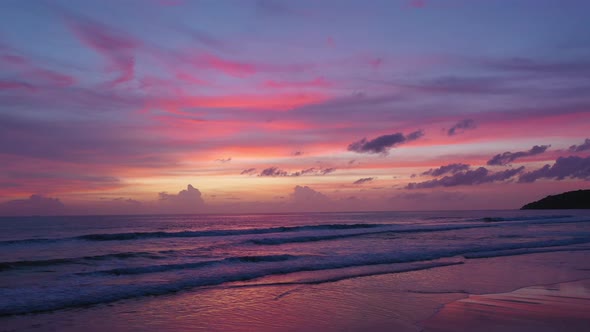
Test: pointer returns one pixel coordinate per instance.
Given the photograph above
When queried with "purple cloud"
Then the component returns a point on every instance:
(328, 170)
(529, 65)
(28, 74)
(248, 171)
(582, 147)
(363, 180)
(208, 40)
(451, 168)
(467, 178)
(508, 157)
(307, 196)
(273, 171)
(564, 167)
(34, 205)
(185, 199)
(383, 143)
(461, 126)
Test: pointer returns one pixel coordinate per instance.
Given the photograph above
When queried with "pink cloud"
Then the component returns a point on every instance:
(114, 46)
(330, 42)
(417, 3)
(6, 85)
(34, 74)
(318, 82)
(280, 102)
(229, 67)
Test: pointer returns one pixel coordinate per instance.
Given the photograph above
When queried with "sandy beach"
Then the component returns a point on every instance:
(558, 307)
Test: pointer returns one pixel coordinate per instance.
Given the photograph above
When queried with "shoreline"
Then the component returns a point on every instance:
(543, 307)
(401, 301)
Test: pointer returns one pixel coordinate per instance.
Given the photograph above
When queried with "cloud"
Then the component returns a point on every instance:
(28, 74)
(248, 171)
(114, 46)
(208, 40)
(34, 205)
(222, 160)
(461, 126)
(363, 180)
(276, 9)
(446, 85)
(417, 3)
(327, 170)
(383, 143)
(298, 153)
(273, 171)
(545, 68)
(188, 200)
(226, 66)
(431, 197)
(171, 3)
(564, 167)
(318, 82)
(451, 168)
(304, 172)
(582, 147)
(305, 197)
(507, 157)
(467, 178)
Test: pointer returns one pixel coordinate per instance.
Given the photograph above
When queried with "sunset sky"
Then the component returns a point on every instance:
(172, 106)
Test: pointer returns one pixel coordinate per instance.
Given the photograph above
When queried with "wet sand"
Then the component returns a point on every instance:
(558, 307)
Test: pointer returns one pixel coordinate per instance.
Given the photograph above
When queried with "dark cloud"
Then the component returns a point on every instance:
(248, 171)
(582, 147)
(304, 172)
(328, 170)
(273, 171)
(34, 205)
(383, 143)
(471, 177)
(185, 199)
(363, 180)
(507, 157)
(451, 168)
(564, 167)
(222, 160)
(461, 126)
(297, 153)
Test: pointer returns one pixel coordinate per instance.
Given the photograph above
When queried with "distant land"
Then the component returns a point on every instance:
(579, 199)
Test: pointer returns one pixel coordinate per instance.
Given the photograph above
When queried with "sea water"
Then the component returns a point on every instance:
(56, 263)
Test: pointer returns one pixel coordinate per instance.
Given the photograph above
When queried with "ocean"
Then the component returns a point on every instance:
(50, 264)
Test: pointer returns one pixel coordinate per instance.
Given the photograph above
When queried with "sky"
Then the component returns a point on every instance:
(235, 106)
